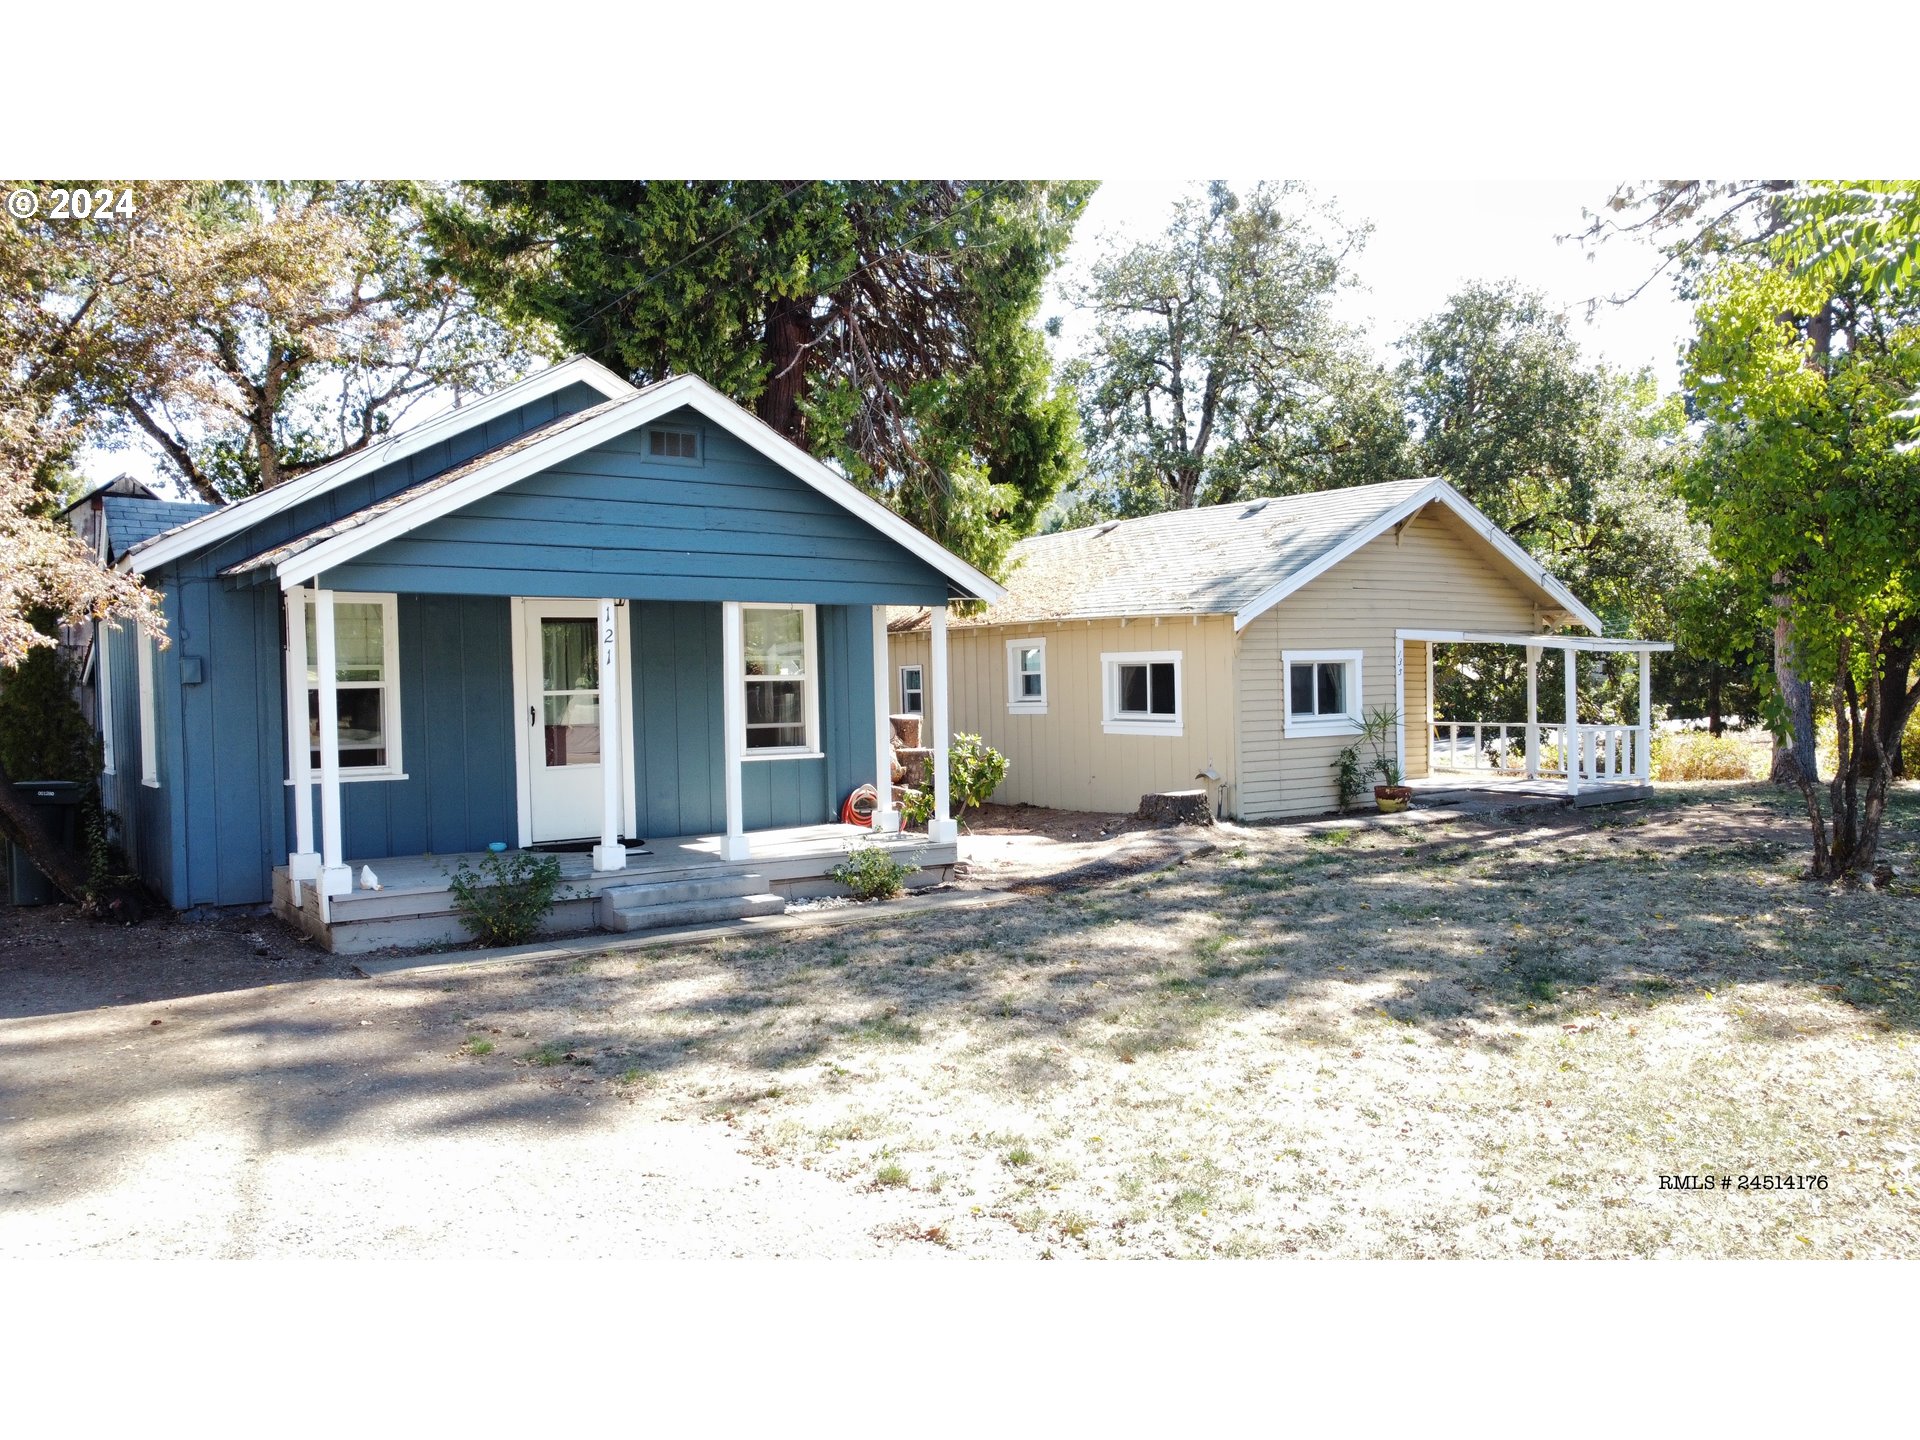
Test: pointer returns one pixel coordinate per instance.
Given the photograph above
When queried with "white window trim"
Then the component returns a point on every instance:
(1016, 703)
(149, 714)
(103, 695)
(1301, 726)
(919, 689)
(1113, 721)
(390, 684)
(811, 750)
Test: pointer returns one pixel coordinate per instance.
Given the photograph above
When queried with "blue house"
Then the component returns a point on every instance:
(634, 625)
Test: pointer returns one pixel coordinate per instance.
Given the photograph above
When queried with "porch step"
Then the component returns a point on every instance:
(663, 904)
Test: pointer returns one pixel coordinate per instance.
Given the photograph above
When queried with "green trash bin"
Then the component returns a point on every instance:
(58, 802)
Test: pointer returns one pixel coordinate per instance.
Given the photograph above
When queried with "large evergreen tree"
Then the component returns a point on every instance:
(888, 326)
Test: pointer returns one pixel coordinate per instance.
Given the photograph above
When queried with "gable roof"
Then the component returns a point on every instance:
(346, 524)
(133, 521)
(1240, 559)
(227, 520)
(298, 561)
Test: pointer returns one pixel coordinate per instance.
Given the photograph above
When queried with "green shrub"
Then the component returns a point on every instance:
(974, 771)
(1696, 755)
(503, 899)
(873, 872)
(1910, 747)
(916, 806)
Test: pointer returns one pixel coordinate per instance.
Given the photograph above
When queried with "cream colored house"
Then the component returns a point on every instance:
(1238, 646)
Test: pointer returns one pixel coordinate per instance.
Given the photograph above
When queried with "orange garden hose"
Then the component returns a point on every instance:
(860, 806)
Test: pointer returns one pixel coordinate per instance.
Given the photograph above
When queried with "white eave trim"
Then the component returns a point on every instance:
(641, 407)
(208, 530)
(1587, 644)
(1435, 489)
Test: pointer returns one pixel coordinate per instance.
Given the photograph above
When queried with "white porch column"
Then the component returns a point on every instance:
(1570, 743)
(733, 714)
(610, 854)
(1533, 712)
(335, 877)
(303, 862)
(942, 827)
(1644, 755)
(885, 818)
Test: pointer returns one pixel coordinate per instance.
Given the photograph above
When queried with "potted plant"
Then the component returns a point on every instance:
(1377, 735)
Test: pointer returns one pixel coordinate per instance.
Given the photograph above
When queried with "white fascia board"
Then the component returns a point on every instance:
(750, 430)
(1599, 644)
(1435, 489)
(645, 406)
(211, 529)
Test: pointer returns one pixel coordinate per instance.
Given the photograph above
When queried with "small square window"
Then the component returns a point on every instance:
(912, 692)
(1323, 691)
(1142, 693)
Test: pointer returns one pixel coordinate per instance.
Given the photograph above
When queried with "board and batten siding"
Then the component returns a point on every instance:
(1064, 759)
(1435, 574)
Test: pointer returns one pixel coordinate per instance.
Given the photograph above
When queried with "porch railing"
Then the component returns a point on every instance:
(1602, 754)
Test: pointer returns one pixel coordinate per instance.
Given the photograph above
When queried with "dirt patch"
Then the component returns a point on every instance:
(53, 960)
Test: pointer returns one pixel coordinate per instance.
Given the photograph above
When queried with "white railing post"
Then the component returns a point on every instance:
(1645, 770)
(886, 819)
(303, 861)
(335, 877)
(1533, 712)
(942, 827)
(1573, 746)
(610, 854)
(733, 845)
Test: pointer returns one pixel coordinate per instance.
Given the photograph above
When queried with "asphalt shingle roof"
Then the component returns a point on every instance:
(301, 543)
(131, 520)
(1208, 561)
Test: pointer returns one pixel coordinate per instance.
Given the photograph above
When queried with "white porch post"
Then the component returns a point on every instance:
(1644, 756)
(942, 827)
(733, 845)
(885, 817)
(1570, 743)
(610, 854)
(303, 862)
(335, 878)
(1533, 712)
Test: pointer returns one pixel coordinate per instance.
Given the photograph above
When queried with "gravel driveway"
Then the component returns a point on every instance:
(317, 1118)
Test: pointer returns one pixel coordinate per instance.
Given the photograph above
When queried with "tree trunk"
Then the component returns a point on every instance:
(1715, 725)
(789, 328)
(1893, 716)
(1797, 757)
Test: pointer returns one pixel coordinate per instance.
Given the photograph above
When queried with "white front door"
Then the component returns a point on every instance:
(562, 723)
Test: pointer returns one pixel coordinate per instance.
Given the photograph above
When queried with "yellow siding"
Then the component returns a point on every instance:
(1435, 575)
(1064, 758)
(1419, 711)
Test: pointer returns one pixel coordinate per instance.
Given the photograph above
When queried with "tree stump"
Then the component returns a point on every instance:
(906, 730)
(1177, 807)
(916, 766)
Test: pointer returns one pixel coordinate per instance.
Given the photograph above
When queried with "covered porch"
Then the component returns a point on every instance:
(777, 710)
(1563, 756)
(414, 904)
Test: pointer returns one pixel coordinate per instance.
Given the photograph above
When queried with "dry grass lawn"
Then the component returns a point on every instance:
(1487, 1037)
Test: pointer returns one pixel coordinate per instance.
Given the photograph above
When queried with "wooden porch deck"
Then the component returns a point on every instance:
(1456, 786)
(414, 904)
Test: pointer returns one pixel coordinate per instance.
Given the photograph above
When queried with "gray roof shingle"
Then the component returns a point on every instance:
(1208, 561)
(131, 520)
